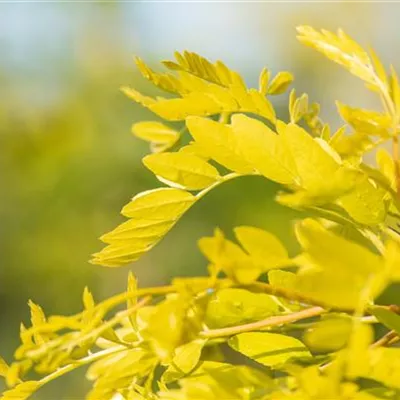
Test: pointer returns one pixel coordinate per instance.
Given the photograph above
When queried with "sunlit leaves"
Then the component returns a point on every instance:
(335, 269)
(366, 203)
(188, 355)
(280, 83)
(384, 366)
(217, 380)
(339, 48)
(228, 257)
(165, 343)
(330, 334)
(260, 252)
(387, 317)
(264, 248)
(307, 153)
(263, 81)
(220, 142)
(160, 136)
(21, 391)
(152, 214)
(184, 170)
(236, 306)
(269, 349)
(165, 327)
(264, 149)
(365, 121)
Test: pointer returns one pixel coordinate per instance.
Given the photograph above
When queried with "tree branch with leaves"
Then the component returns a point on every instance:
(300, 327)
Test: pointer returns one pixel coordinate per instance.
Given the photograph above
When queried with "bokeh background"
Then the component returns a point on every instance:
(68, 161)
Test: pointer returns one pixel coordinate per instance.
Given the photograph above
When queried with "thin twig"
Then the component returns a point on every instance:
(384, 340)
(265, 323)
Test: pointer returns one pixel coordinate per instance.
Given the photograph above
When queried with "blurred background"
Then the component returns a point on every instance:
(68, 162)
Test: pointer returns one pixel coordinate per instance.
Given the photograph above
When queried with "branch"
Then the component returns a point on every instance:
(390, 338)
(265, 323)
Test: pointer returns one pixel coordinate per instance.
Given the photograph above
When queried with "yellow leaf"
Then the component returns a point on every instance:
(163, 204)
(263, 81)
(280, 83)
(200, 104)
(187, 356)
(3, 367)
(88, 300)
(22, 391)
(195, 149)
(264, 150)
(298, 107)
(220, 142)
(395, 89)
(133, 94)
(262, 105)
(183, 170)
(366, 203)
(386, 166)
(330, 334)
(153, 213)
(159, 135)
(264, 248)
(341, 49)
(366, 121)
(335, 270)
(37, 318)
(166, 82)
(330, 179)
(229, 258)
(131, 302)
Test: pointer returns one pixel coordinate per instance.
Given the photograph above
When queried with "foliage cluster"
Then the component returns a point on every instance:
(263, 324)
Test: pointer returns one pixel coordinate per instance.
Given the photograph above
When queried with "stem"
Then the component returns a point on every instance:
(83, 361)
(269, 322)
(92, 335)
(294, 296)
(385, 340)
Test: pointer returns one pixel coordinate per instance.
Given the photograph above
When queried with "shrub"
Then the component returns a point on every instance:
(261, 324)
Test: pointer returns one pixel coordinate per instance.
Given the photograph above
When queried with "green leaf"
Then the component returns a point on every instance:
(220, 143)
(269, 349)
(280, 83)
(329, 335)
(264, 150)
(265, 249)
(230, 307)
(387, 318)
(188, 355)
